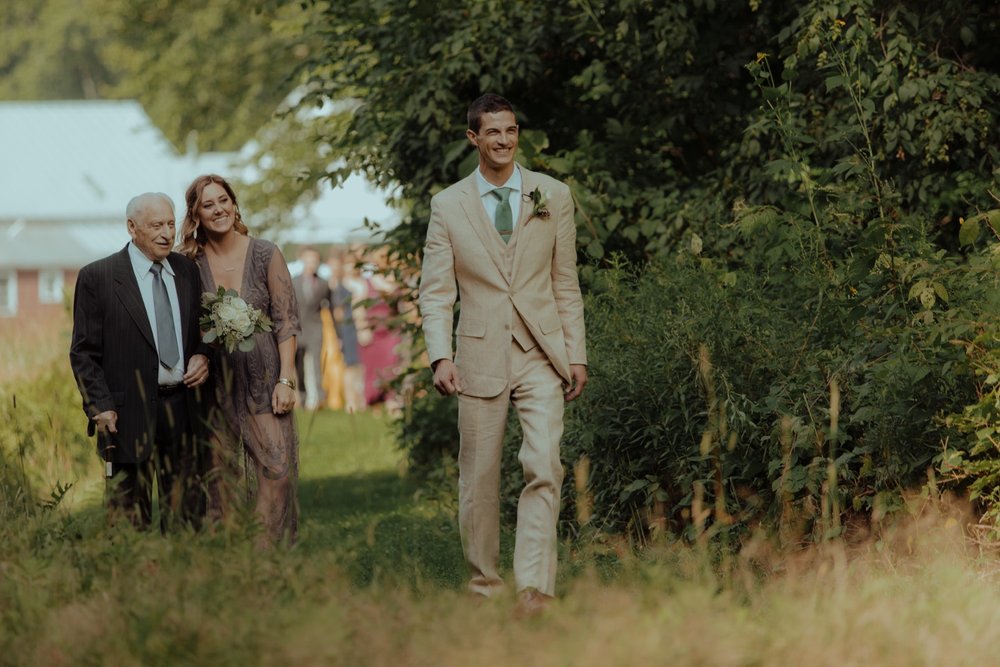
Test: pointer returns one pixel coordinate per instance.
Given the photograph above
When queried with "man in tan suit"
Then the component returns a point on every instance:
(503, 242)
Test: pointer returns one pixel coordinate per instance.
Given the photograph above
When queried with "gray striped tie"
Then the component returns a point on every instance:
(166, 337)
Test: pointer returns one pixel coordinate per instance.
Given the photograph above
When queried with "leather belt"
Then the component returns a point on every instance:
(170, 389)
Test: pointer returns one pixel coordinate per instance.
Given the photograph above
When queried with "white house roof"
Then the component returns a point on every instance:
(82, 160)
(54, 245)
(68, 169)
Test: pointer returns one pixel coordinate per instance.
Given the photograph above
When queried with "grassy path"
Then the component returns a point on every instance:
(376, 579)
(356, 503)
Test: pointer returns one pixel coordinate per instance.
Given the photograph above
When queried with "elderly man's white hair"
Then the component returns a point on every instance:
(138, 203)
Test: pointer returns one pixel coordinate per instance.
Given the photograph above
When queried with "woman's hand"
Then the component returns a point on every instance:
(282, 399)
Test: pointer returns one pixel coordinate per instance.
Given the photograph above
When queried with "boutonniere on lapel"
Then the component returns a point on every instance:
(540, 202)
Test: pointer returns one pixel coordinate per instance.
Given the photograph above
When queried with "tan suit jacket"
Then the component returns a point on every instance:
(533, 297)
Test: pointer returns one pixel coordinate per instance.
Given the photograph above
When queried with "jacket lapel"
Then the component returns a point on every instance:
(127, 291)
(472, 205)
(528, 183)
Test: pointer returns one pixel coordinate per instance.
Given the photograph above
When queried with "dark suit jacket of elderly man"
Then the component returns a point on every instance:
(113, 352)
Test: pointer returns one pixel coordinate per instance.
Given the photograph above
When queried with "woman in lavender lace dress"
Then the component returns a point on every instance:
(255, 390)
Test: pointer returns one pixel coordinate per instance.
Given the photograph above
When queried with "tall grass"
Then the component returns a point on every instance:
(27, 346)
(377, 578)
(43, 441)
(77, 593)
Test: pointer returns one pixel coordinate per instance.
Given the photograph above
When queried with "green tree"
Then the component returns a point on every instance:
(826, 180)
(213, 71)
(209, 74)
(53, 50)
(612, 97)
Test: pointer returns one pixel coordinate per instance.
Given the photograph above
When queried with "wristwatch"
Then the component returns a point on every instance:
(287, 382)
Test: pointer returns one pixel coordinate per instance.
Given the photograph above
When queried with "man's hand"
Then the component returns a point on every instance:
(446, 377)
(197, 370)
(106, 422)
(579, 373)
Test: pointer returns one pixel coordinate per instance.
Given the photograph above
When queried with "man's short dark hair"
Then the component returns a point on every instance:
(488, 103)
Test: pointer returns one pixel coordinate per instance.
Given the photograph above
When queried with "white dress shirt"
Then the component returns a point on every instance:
(490, 201)
(141, 265)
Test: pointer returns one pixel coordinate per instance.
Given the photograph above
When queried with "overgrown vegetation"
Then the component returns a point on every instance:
(817, 204)
(377, 577)
(788, 233)
(804, 196)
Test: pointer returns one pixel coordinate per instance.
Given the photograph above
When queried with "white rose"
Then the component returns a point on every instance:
(227, 312)
(243, 324)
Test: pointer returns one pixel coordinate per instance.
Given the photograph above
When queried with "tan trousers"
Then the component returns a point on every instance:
(536, 391)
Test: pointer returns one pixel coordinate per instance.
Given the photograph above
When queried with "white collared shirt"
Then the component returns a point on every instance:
(490, 201)
(141, 265)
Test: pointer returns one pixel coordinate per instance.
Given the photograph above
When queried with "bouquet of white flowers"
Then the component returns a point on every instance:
(230, 320)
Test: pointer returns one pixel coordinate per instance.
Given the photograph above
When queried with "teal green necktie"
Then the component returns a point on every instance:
(504, 218)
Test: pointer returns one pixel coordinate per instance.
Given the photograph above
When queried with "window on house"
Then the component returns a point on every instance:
(50, 286)
(8, 293)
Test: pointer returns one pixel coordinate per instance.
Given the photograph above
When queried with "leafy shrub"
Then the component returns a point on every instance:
(814, 330)
(726, 380)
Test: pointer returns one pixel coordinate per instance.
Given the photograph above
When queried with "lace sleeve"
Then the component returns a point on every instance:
(284, 308)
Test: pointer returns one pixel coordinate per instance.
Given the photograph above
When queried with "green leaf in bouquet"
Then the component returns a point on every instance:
(210, 336)
(246, 344)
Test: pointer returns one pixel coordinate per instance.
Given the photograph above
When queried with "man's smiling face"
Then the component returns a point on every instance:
(496, 140)
(152, 228)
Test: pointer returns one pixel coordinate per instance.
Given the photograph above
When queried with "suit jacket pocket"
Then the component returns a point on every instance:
(550, 323)
(469, 326)
(482, 386)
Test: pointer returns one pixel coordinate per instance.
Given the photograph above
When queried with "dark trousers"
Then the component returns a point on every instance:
(174, 463)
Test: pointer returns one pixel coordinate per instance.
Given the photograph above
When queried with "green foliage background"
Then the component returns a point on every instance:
(796, 178)
(787, 213)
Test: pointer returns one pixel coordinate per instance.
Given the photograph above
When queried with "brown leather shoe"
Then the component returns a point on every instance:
(530, 603)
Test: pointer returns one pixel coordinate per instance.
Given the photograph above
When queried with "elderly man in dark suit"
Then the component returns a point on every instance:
(138, 359)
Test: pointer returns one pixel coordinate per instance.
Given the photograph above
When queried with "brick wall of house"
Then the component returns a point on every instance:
(31, 313)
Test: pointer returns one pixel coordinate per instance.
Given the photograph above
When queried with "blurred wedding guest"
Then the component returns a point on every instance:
(379, 354)
(351, 293)
(138, 359)
(331, 364)
(344, 306)
(255, 390)
(313, 296)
